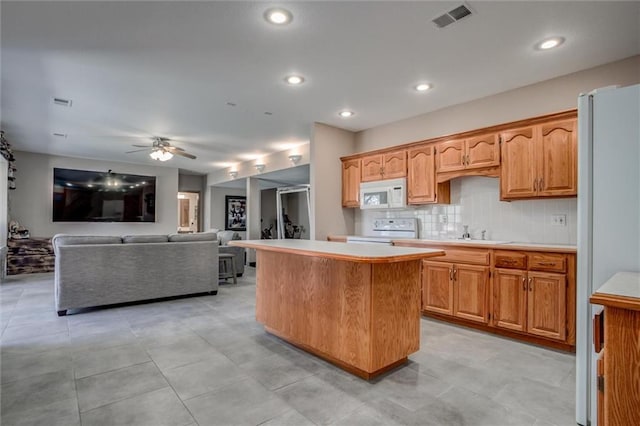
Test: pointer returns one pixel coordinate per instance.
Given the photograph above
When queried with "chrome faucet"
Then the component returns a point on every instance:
(484, 231)
(466, 235)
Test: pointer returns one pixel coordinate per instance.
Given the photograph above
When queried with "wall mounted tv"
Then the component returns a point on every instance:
(87, 196)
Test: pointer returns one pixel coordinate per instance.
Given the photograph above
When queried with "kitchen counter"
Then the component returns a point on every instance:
(622, 291)
(500, 245)
(367, 253)
(354, 305)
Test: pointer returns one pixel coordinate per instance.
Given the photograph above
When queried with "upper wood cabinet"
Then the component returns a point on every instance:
(472, 153)
(539, 161)
(422, 187)
(389, 165)
(351, 183)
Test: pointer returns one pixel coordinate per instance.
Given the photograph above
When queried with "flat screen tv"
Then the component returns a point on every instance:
(87, 196)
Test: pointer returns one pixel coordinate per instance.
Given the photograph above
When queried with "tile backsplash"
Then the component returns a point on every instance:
(475, 201)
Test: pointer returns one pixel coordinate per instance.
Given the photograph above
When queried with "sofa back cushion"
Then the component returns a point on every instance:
(69, 240)
(145, 238)
(199, 236)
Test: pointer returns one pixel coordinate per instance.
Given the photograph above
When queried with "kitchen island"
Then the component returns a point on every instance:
(355, 305)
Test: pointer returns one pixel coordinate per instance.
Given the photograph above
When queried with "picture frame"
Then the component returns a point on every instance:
(235, 213)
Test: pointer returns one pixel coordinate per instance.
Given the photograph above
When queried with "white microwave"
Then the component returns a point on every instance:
(383, 194)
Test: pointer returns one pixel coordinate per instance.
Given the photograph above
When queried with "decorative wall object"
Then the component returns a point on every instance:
(235, 213)
(7, 153)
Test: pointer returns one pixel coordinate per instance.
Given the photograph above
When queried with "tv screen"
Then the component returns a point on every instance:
(86, 196)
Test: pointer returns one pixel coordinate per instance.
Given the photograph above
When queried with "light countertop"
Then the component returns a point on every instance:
(365, 253)
(500, 245)
(622, 290)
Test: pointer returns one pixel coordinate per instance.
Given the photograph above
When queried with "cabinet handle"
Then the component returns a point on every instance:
(468, 160)
(509, 261)
(547, 263)
(530, 284)
(524, 283)
(535, 185)
(455, 274)
(540, 185)
(450, 274)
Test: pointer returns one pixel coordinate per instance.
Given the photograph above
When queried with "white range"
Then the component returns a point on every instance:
(386, 230)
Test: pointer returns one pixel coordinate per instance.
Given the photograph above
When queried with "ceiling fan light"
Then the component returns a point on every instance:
(161, 155)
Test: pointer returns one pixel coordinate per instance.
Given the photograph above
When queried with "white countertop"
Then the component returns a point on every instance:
(625, 284)
(505, 245)
(374, 253)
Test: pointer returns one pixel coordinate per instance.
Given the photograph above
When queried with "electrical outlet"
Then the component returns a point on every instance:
(559, 219)
(443, 218)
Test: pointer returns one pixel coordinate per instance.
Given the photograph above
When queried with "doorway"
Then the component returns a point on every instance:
(188, 207)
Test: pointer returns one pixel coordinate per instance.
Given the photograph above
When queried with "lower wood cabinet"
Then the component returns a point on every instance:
(530, 301)
(455, 289)
(527, 295)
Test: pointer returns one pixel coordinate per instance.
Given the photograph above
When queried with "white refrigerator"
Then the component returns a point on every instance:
(608, 215)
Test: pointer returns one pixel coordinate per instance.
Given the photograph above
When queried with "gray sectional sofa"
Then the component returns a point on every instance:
(103, 270)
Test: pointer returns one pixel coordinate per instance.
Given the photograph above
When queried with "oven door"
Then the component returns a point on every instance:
(374, 198)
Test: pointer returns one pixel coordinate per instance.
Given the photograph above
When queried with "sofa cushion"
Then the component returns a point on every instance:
(145, 238)
(200, 236)
(68, 240)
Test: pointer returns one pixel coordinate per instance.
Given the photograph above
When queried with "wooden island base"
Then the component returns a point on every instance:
(347, 367)
(354, 305)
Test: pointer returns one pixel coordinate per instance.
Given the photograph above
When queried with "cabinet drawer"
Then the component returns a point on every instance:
(547, 262)
(456, 255)
(509, 259)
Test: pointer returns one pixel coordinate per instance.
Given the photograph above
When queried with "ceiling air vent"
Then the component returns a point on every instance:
(62, 102)
(452, 16)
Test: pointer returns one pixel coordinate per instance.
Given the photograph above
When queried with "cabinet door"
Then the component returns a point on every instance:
(394, 164)
(450, 156)
(351, 183)
(483, 151)
(509, 299)
(558, 170)
(518, 170)
(371, 168)
(437, 287)
(470, 292)
(421, 175)
(546, 305)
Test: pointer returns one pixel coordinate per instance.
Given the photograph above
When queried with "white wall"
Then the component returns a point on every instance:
(276, 161)
(475, 200)
(32, 205)
(549, 96)
(328, 144)
(217, 206)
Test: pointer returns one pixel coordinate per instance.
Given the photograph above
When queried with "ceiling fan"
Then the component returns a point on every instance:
(162, 150)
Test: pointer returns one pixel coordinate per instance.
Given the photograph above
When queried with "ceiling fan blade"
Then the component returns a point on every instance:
(142, 146)
(185, 154)
(174, 148)
(137, 150)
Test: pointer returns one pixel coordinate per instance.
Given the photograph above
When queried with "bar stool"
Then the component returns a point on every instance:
(227, 266)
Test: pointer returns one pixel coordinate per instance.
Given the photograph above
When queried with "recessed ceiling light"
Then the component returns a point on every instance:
(278, 16)
(422, 87)
(346, 114)
(550, 43)
(294, 80)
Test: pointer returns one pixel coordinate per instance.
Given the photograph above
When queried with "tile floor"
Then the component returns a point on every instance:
(205, 361)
